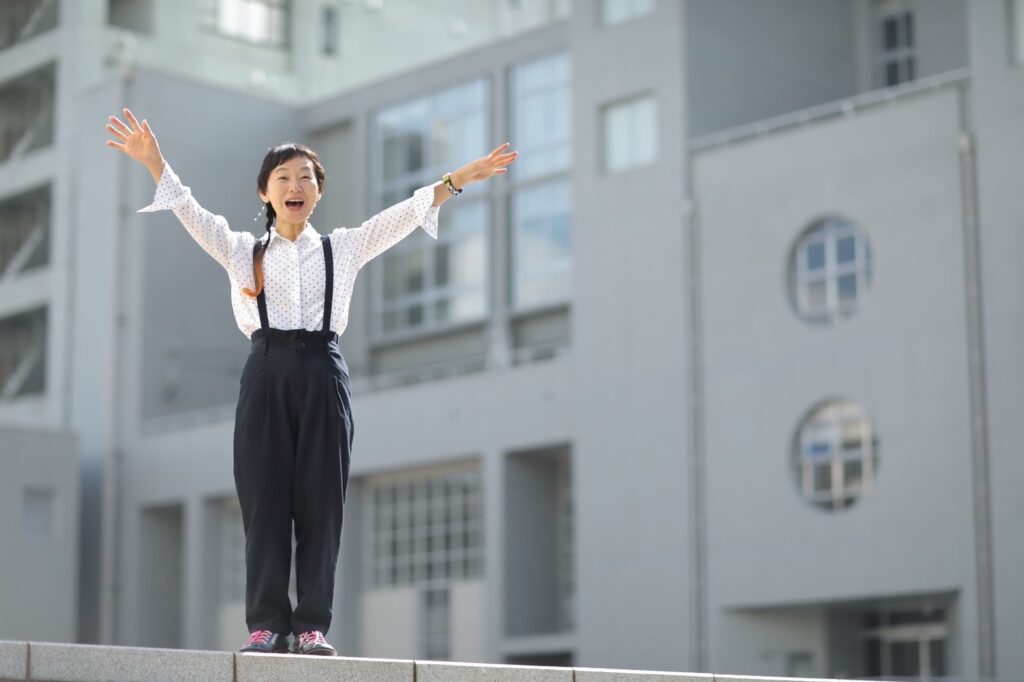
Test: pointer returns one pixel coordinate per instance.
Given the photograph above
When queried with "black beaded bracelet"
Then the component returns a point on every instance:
(452, 189)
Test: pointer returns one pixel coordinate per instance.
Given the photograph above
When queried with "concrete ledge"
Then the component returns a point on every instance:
(13, 661)
(21, 661)
(276, 667)
(429, 671)
(754, 678)
(82, 663)
(608, 675)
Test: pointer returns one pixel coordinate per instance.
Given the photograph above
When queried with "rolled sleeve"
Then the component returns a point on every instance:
(169, 194)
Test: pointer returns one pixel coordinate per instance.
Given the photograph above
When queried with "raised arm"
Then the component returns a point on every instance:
(391, 225)
(210, 231)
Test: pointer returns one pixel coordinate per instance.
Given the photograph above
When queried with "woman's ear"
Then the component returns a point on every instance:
(263, 198)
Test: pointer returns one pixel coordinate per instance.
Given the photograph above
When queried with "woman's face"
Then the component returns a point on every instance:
(292, 190)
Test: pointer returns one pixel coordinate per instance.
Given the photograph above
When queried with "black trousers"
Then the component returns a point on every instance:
(292, 447)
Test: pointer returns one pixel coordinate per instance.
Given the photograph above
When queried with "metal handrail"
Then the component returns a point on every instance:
(844, 107)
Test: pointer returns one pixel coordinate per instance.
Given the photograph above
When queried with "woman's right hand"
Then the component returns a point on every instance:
(137, 141)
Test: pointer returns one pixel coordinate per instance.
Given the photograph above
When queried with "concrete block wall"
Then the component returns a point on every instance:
(83, 663)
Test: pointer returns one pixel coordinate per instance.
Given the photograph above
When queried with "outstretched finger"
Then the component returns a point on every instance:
(117, 133)
(502, 162)
(498, 149)
(115, 145)
(146, 128)
(131, 119)
(117, 123)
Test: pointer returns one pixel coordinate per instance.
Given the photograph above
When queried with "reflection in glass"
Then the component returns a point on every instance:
(541, 121)
(427, 283)
(542, 250)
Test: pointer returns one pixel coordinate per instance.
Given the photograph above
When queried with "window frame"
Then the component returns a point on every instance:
(1015, 8)
(429, 296)
(379, 189)
(210, 22)
(628, 16)
(385, 567)
(825, 424)
(330, 38)
(32, 531)
(904, 55)
(603, 131)
(520, 184)
(829, 231)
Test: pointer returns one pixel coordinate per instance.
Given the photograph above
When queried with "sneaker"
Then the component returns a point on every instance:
(265, 642)
(312, 643)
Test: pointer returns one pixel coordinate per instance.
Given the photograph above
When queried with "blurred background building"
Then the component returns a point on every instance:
(725, 375)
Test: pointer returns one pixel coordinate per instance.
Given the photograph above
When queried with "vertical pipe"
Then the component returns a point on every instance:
(978, 407)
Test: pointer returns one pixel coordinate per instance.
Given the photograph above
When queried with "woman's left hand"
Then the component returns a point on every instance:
(477, 171)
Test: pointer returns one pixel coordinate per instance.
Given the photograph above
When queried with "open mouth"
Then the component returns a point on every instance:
(294, 204)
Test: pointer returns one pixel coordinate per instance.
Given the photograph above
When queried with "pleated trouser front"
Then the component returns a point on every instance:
(292, 448)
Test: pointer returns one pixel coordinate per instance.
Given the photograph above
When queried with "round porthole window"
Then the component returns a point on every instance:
(835, 455)
(829, 270)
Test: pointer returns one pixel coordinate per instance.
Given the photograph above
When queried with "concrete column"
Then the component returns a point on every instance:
(200, 574)
(492, 472)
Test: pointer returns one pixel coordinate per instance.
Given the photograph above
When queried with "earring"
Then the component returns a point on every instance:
(260, 214)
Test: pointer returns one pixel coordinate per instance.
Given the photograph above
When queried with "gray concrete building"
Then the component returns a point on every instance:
(721, 377)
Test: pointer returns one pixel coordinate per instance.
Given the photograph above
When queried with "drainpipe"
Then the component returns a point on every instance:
(979, 411)
(123, 59)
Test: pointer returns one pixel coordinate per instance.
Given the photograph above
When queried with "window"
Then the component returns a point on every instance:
(329, 25)
(1017, 10)
(829, 270)
(37, 514)
(264, 22)
(906, 642)
(630, 134)
(619, 11)
(835, 455)
(132, 15)
(541, 198)
(542, 117)
(435, 629)
(894, 42)
(422, 284)
(425, 529)
(431, 283)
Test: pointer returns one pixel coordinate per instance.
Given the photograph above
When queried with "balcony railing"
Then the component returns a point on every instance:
(24, 19)
(24, 233)
(22, 354)
(26, 113)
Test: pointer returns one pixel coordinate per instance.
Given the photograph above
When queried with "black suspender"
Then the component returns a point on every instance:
(329, 284)
(261, 300)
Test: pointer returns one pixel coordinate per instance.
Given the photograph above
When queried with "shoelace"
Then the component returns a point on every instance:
(260, 637)
(312, 637)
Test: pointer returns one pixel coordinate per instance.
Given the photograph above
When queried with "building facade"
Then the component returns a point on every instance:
(722, 376)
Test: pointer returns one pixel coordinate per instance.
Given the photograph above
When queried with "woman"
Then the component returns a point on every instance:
(290, 292)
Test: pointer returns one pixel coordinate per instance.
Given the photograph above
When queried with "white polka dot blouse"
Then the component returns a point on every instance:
(293, 272)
